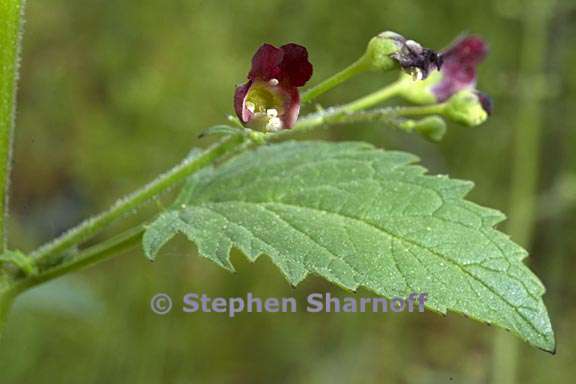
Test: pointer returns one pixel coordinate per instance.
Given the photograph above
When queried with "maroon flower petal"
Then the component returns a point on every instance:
(468, 50)
(266, 63)
(295, 69)
(292, 108)
(239, 96)
(459, 63)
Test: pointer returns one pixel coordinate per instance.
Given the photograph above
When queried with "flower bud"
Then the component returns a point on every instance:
(431, 127)
(390, 50)
(379, 52)
(468, 107)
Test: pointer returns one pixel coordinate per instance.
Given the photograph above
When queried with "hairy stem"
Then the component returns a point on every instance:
(84, 258)
(525, 166)
(342, 113)
(376, 97)
(45, 254)
(352, 70)
(11, 16)
(6, 298)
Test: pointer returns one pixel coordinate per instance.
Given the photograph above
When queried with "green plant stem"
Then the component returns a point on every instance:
(385, 114)
(377, 97)
(84, 258)
(352, 70)
(6, 299)
(423, 110)
(90, 256)
(525, 166)
(45, 254)
(11, 12)
(348, 112)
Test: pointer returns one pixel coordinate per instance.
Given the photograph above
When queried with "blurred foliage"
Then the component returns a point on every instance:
(112, 93)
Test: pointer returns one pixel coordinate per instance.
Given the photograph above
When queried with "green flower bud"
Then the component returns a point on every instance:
(431, 127)
(466, 107)
(378, 56)
(389, 50)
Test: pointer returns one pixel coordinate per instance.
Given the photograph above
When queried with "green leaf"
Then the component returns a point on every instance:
(361, 216)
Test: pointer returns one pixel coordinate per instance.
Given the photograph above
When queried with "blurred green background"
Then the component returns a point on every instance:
(112, 93)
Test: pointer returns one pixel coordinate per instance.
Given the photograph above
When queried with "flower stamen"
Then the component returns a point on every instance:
(271, 113)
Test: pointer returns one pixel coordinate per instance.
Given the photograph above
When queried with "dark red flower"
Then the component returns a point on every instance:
(459, 63)
(269, 100)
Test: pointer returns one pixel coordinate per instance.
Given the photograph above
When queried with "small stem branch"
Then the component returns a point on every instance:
(89, 256)
(384, 114)
(10, 37)
(424, 110)
(6, 299)
(93, 225)
(352, 70)
(341, 114)
(376, 97)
